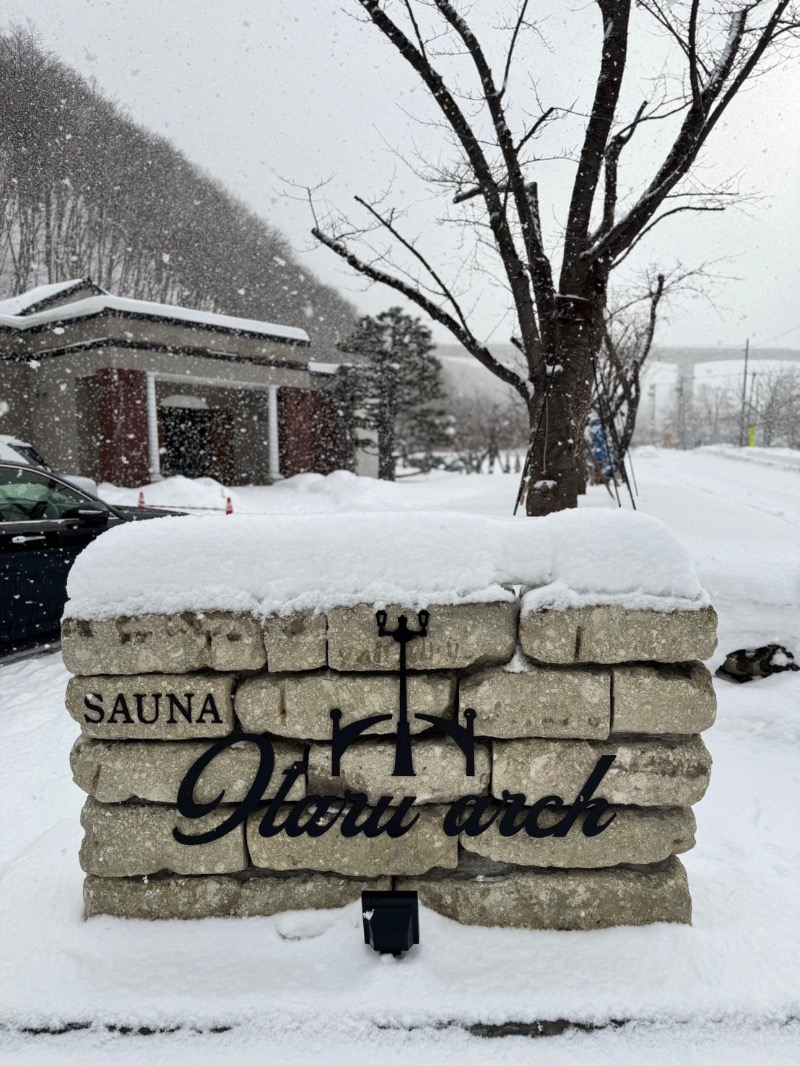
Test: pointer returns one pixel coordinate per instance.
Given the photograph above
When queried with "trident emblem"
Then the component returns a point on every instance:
(462, 735)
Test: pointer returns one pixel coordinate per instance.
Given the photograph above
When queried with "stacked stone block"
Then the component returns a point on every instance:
(553, 691)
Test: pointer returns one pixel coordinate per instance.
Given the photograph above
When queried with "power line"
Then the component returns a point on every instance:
(778, 336)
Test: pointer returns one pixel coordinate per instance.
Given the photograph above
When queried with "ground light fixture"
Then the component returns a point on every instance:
(391, 921)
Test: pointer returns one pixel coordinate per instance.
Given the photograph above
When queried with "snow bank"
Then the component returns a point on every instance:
(265, 564)
(195, 494)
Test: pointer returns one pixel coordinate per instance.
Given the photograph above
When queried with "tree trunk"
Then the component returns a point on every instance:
(386, 455)
(557, 474)
(386, 432)
(387, 422)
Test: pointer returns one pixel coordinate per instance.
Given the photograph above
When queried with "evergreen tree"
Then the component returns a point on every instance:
(394, 387)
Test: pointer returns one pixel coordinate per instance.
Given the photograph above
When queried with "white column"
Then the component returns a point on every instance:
(153, 455)
(366, 458)
(273, 443)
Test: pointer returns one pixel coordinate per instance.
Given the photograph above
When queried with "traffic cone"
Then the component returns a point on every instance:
(228, 506)
(141, 499)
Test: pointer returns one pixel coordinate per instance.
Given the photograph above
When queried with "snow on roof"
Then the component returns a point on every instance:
(18, 305)
(281, 563)
(95, 305)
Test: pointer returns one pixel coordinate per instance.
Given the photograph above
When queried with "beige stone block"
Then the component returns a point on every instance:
(128, 840)
(670, 698)
(152, 706)
(485, 893)
(296, 642)
(302, 891)
(541, 701)
(222, 897)
(367, 767)
(663, 772)
(461, 635)
(163, 644)
(421, 848)
(150, 644)
(610, 634)
(300, 705)
(114, 771)
(234, 641)
(639, 835)
(152, 898)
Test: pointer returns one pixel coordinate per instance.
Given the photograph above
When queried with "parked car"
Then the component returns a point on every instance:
(45, 521)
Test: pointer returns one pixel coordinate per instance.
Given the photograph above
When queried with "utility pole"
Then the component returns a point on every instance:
(743, 421)
(752, 410)
(680, 412)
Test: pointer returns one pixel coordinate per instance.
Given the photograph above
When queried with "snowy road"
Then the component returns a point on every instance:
(303, 987)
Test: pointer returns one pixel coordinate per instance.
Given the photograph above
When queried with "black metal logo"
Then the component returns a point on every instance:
(314, 816)
(463, 735)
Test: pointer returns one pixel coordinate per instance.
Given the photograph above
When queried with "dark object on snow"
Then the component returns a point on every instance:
(391, 921)
(45, 521)
(747, 663)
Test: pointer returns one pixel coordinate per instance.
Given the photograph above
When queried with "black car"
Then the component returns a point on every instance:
(44, 522)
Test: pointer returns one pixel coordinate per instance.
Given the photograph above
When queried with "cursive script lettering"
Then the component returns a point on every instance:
(314, 816)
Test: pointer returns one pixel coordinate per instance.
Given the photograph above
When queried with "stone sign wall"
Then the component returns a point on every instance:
(553, 692)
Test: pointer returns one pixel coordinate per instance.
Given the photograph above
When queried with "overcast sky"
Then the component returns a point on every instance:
(260, 90)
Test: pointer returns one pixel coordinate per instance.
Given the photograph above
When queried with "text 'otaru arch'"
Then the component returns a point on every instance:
(314, 816)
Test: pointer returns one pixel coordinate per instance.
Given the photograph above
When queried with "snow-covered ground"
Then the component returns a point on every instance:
(302, 987)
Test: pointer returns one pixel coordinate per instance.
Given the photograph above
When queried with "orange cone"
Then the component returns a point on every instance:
(228, 506)
(141, 499)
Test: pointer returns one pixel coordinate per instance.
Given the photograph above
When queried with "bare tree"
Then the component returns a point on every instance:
(559, 313)
(626, 344)
(776, 406)
(483, 430)
(629, 327)
(715, 414)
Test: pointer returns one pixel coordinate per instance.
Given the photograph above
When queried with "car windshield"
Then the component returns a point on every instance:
(29, 495)
(29, 454)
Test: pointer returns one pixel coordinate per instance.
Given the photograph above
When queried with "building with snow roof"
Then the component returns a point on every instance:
(128, 391)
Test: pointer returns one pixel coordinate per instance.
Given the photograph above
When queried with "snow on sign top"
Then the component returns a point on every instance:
(282, 563)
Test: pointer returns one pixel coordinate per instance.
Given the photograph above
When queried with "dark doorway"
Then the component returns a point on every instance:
(187, 441)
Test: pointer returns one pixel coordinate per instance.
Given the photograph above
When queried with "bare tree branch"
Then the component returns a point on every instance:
(611, 166)
(692, 53)
(538, 262)
(515, 34)
(698, 124)
(660, 218)
(515, 271)
(615, 14)
(465, 337)
(445, 290)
